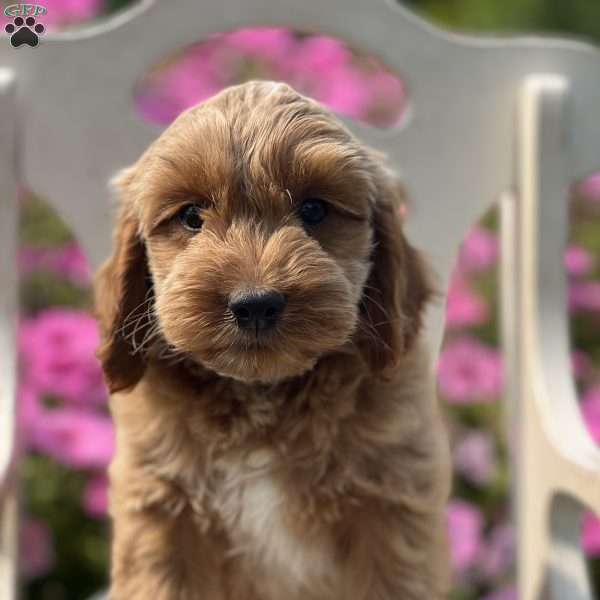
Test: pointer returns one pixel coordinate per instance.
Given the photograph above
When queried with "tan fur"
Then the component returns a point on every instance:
(311, 465)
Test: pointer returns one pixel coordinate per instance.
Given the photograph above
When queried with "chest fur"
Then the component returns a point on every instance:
(262, 518)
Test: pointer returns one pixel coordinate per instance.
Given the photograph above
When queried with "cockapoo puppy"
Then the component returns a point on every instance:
(278, 433)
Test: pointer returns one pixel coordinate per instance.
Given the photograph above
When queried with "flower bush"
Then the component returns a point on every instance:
(66, 437)
(322, 67)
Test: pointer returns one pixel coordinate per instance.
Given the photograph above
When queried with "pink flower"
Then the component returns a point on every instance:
(196, 76)
(590, 410)
(499, 554)
(469, 371)
(317, 56)
(320, 66)
(152, 107)
(464, 308)
(590, 538)
(77, 439)
(260, 41)
(95, 496)
(591, 187)
(388, 87)
(506, 593)
(584, 296)
(465, 523)
(206, 68)
(388, 101)
(327, 69)
(70, 262)
(57, 354)
(36, 548)
(479, 251)
(344, 91)
(578, 261)
(475, 457)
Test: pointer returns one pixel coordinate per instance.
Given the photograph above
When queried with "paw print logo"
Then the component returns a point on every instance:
(24, 31)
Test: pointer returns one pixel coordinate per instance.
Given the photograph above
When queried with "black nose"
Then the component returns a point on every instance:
(258, 311)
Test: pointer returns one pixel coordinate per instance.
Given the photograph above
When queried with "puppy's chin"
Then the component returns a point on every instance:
(257, 364)
(282, 354)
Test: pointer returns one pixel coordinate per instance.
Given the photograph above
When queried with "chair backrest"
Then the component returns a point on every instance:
(458, 151)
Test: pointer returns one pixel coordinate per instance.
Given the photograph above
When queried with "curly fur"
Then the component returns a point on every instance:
(310, 463)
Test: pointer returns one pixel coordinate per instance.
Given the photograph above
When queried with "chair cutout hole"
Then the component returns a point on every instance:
(582, 263)
(349, 82)
(65, 435)
(471, 385)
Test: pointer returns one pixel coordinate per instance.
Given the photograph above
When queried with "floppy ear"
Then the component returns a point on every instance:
(398, 286)
(122, 286)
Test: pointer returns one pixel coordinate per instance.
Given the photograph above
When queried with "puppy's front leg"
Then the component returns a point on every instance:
(396, 553)
(159, 553)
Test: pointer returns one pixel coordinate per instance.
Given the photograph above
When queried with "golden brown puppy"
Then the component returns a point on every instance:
(278, 435)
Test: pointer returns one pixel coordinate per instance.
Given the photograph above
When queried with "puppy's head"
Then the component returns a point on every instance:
(255, 236)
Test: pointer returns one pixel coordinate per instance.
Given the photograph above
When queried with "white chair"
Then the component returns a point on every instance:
(510, 119)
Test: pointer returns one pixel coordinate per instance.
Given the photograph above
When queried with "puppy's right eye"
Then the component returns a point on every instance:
(313, 211)
(189, 217)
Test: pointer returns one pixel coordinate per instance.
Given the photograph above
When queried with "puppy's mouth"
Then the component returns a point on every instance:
(260, 334)
(257, 338)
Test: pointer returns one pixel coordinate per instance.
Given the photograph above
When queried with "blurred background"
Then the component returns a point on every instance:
(66, 437)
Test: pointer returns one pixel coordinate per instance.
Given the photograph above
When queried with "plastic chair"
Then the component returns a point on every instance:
(511, 119)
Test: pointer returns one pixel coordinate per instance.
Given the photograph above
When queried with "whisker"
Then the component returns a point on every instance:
(128, 320)
(375, 302)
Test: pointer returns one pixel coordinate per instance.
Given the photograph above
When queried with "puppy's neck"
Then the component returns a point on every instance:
(333, 370)
(264, 404)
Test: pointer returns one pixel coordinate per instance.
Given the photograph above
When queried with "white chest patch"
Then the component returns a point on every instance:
(254, 508)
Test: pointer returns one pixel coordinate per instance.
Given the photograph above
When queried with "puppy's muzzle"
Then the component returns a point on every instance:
(257, 311)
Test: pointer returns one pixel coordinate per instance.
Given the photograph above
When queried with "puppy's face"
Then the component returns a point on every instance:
(258, 229)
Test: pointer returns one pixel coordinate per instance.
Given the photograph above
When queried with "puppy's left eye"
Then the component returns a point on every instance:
(189, 217)
(313, 211)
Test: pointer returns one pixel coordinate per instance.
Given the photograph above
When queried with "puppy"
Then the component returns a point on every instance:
(278, 435)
